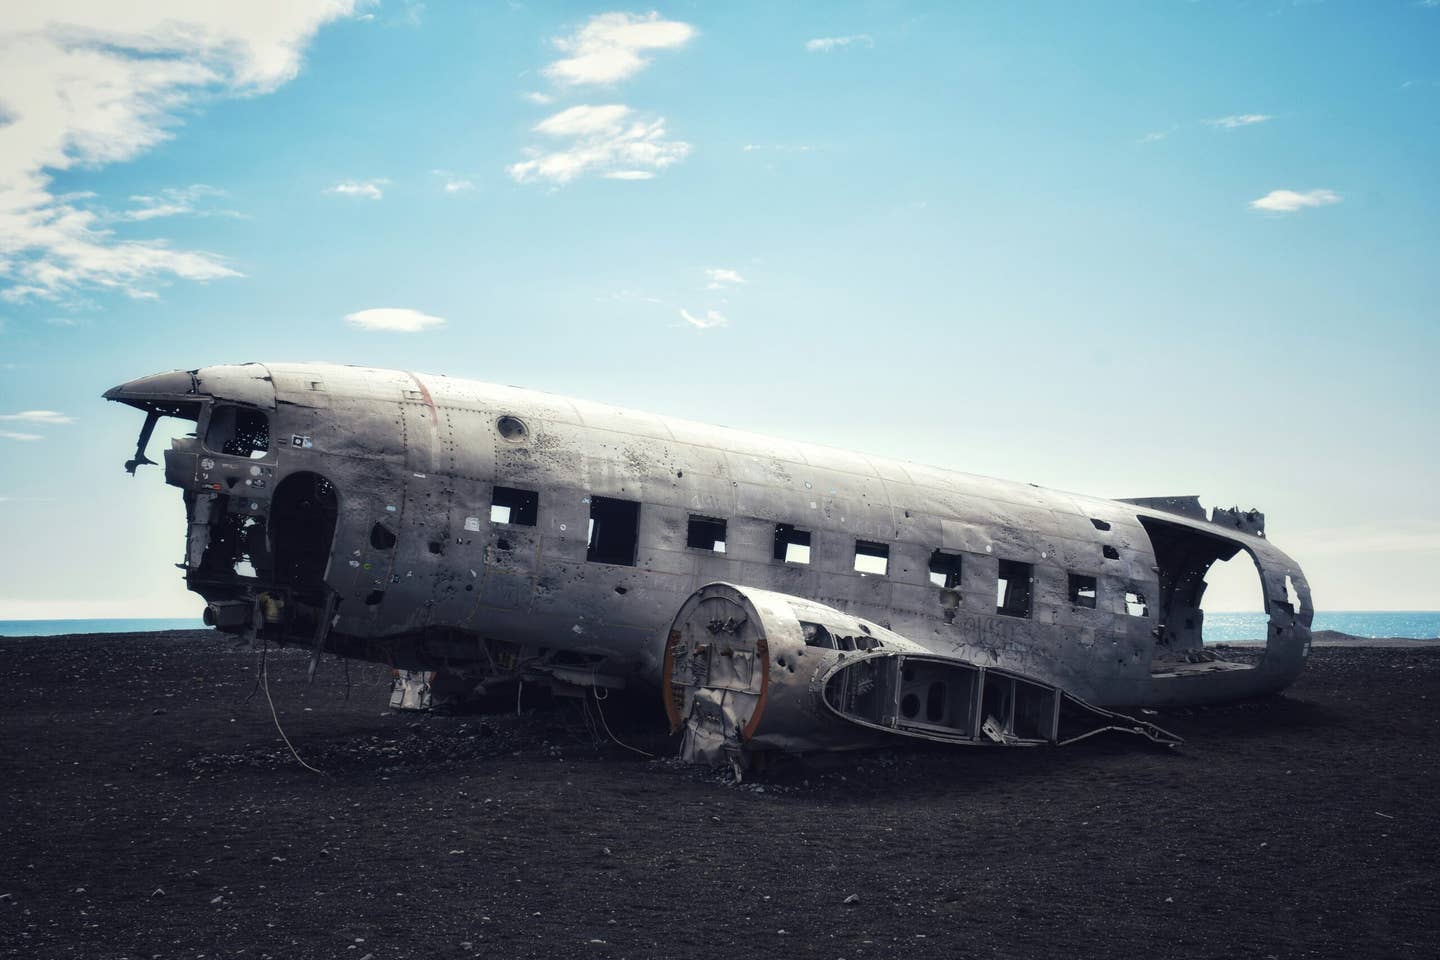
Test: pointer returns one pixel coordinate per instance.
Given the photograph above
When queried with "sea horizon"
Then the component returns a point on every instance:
(1220, 626)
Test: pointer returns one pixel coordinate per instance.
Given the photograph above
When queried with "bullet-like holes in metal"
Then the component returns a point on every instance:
(621, 590)
(1111, 553)
(373, 598)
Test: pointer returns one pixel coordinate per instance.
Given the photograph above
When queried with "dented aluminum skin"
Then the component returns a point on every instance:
(416, 573)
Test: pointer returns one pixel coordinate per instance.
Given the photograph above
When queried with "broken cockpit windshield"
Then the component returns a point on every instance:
(238, 432)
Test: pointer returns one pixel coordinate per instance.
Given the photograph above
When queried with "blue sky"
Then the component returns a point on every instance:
(1128, 249)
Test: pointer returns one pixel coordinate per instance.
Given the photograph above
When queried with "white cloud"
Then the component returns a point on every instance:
(584, 120)
(1239, 120)
(778, 147)
(38, 416)
(535, 96)
(171, 202)
(830, 44)
(393, 320)
(1288, 201)
(11, 435)
(606, 140)
(453, 183)
(712, 319)
(88, 84)
(608, 47)
(369, 189)
(721, 277)
(1155, 136)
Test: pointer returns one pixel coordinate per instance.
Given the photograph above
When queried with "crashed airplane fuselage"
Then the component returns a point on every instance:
(782, 596)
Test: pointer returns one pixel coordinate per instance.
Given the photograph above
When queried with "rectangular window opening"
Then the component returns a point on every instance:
(945, 570)
(1082, 591)
(1135, 604)
(509, 505)
(817, 636)
(872, 558)
(706, 533)
(791, 545)
(614, 531)
(238, 432)
(1012, 589)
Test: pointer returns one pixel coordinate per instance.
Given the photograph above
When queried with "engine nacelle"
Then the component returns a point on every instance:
(744, 670)
(748, 670)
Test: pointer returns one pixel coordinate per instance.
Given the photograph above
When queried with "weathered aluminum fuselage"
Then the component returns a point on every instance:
(418, 574)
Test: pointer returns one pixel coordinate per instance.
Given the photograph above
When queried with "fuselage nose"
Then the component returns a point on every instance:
(176, 385)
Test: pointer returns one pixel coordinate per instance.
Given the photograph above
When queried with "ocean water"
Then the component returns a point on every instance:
(1219, 627)
(50, 628)
(1414, 624)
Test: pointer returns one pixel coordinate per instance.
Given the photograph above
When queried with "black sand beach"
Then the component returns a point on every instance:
(149, 809)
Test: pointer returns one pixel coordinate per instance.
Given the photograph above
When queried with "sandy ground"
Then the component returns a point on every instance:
(149, 809)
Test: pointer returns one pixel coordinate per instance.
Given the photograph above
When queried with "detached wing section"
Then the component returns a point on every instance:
(945, 699)
(749, 671)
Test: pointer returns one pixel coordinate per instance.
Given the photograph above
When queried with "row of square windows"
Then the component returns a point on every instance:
(614, 533)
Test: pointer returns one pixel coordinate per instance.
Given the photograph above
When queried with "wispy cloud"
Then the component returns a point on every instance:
(51, 417)
(393, 320)
(722, 277)
(711, 320)
(1155, 136)
(610, 47)
(608, 140)
(174, 202)
(778, 147)
(369, 189)
(453, 183)
(1239, 120)
(535, 96)
(1289, 201)
(831, 44)
(25, 437)
(103, 83)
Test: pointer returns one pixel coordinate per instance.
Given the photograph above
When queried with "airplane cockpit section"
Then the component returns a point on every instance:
(783, 597)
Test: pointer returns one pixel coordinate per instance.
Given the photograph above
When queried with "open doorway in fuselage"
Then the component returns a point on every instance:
(303, 515)
(1196, 566)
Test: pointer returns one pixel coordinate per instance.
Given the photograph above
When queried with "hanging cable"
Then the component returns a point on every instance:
(601, 710)
(265, 682)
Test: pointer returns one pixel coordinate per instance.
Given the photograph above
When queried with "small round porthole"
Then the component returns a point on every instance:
(511, 428)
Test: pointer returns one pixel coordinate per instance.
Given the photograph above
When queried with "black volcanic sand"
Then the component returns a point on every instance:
(149, 809)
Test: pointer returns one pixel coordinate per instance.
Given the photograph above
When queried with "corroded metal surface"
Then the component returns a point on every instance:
(441, 524)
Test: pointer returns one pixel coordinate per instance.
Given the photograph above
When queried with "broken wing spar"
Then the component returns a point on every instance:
(491, 535)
